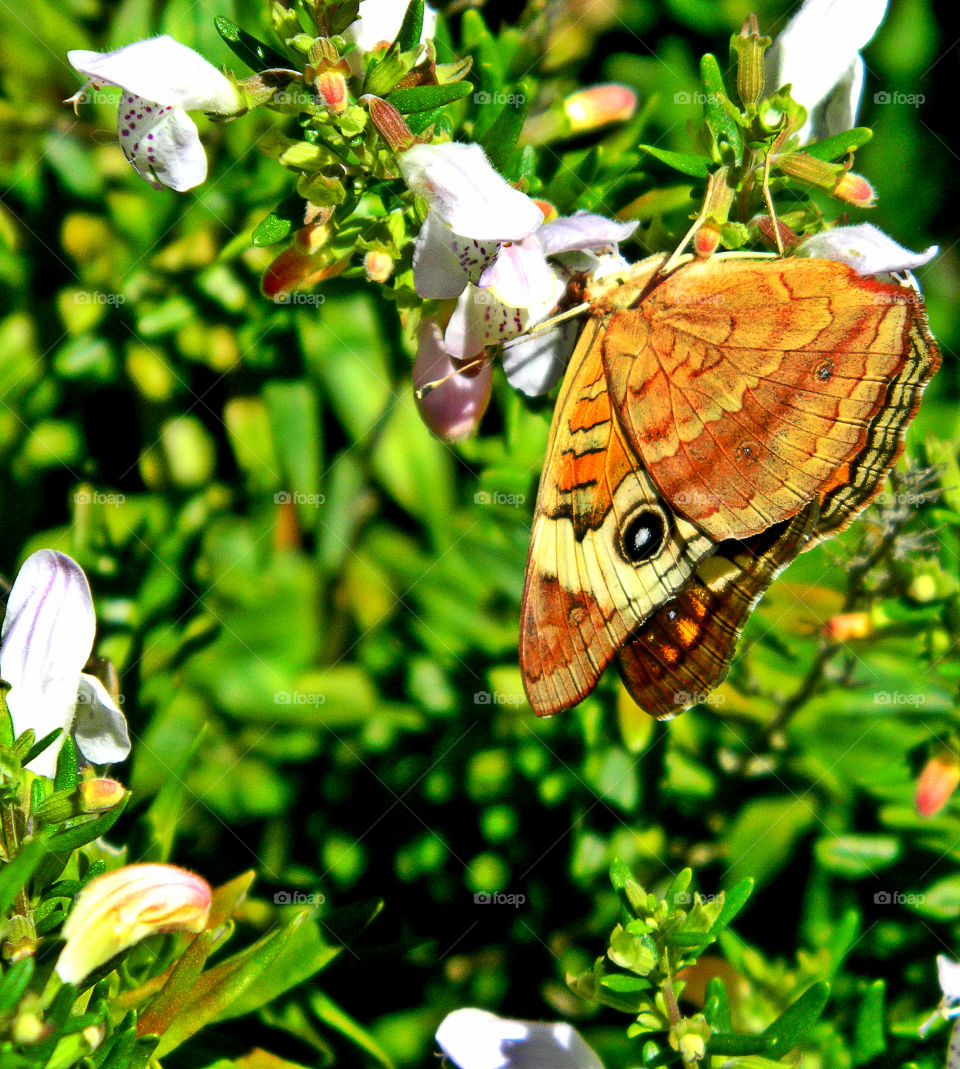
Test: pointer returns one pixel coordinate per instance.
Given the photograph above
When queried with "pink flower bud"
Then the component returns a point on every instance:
(378, 265)
(99, 794)
(598, 106)
(454, 406)
(118, 909)
(847, 626)
(706, 241)
(938, 781)
(855, 189)
(332, 87)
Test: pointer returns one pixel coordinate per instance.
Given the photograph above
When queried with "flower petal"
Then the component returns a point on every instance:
(461, 186)
(476, 1039)
(162, 143)
(534, 365)
(442, 262)
(479, 320)
(380, 22)
(866, 249)
(582, 231)
(949, 974)
(818, 45)
(99, 727)
(453, 409)
(48, 633)
(520, 276)
(164, 70)
(838, 112)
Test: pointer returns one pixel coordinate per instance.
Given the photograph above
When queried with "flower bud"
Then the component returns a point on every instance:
(332, 87)
(99, 794)
(454, 394)
(855, 189)
(118, 909)
(378, 265)
(938, 780)
(808, 169)
(706, 241)
(599, 105)
(390, 123)
(847, 626)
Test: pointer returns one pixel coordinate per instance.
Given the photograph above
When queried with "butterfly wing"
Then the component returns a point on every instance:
(678, 655)
(749, 388)
(605, 551)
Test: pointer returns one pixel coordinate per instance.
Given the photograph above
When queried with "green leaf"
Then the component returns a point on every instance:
(717, 1006)
(256, 55)
(717, 110)
(38, 747)
(280, 223)
(830, 148)
(734, 900)
(14, 983)
(334, 1017)
(856, 855)
(695, 166)
(66, 775)
(678, 886)
(81, 834)
(411, 28)
(500, 140)
(869, 1039)
(428, 97)
(728, 1043)
(157, 1017)
(789, 1029)
(16, 874)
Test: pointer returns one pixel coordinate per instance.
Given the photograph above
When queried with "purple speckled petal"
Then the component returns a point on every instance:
(443, 262)
(161, 142)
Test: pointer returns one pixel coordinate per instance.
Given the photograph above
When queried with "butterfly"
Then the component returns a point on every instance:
(713, 423)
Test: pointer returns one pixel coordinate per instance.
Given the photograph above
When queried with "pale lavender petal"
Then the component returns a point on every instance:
(443, 262)
(814, 52)
(582, 230)
(866, 249)
(47, 636)
(161, 69)
(162, 143)
(479, 320)
(99, 727)
(534, 365)
(520, 276)
(476, 1039)
(461, 186)
(453, 409)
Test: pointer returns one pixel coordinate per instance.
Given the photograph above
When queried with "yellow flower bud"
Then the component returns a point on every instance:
(99, 794)
(855, 189)
(118, 909)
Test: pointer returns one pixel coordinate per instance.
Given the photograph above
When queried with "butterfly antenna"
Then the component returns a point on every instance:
(429, 387)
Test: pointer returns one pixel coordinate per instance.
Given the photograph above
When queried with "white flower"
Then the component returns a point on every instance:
(487, 243)
(948, 973)
(818, 54)
(476, 1039)
(380, 22)
(47, 637)
(866, 249)
(161, 80)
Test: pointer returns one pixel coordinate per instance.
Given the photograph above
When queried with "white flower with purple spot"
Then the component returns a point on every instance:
(866, 249)
(818, 55)
(161, 80)
(487, 244)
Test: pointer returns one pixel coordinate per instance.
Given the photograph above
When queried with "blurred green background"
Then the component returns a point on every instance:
(315, 616)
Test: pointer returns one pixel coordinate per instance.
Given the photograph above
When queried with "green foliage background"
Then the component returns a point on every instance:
(153, 406)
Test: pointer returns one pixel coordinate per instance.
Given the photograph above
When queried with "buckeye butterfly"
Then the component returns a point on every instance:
(713, 423)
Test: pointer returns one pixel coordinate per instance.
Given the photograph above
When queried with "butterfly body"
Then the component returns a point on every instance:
(712, 424)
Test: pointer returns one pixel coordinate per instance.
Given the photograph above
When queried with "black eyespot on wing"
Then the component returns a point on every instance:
(643, 535)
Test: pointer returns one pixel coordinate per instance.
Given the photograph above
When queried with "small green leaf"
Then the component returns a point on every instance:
(678, 886)
(16, 874)
(500, 141)
(696, 166)
(411, 28)
(789, 1029)
(734, 900)
(14, 982)
(81, 834)
(721, 123)
(38, 747)
(428, 97)
(727, 1043)
(254, 53)
(869, 1039)
(173, 996)
(831, 148)
(717, 1006)
(66, 775)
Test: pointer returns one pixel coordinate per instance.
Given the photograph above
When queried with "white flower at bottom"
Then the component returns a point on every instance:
(47, 636)
(161, 80)
(476, 1039)
(866, 249)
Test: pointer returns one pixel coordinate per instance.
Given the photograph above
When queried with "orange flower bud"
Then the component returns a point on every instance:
(332, 87)
(855, 189)
(118, 909)
(99, 794)
(598, 106)
(848, 625)
(706, 241)
(938, 781)
(378, 265)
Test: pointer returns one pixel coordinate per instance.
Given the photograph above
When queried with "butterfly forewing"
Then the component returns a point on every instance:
(749, 388)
